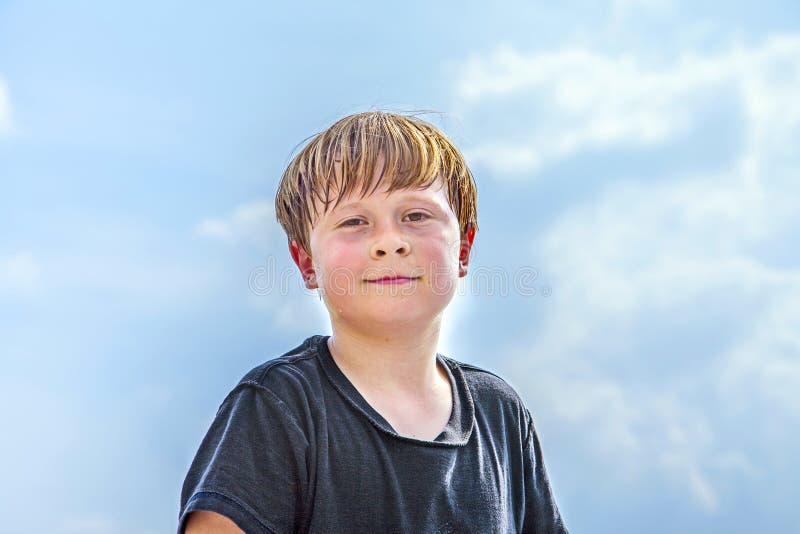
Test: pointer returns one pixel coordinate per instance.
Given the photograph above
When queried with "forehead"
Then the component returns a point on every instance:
(435, 193)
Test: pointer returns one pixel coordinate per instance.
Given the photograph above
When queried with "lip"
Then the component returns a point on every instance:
(392, 280)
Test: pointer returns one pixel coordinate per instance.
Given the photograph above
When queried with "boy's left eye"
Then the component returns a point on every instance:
(417, 216)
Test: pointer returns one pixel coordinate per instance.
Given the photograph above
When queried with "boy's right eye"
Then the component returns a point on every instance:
(352, 222)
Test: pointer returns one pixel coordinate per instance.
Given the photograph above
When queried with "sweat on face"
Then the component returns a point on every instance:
(388, 256)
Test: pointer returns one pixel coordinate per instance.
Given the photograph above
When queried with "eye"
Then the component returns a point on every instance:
(352, 222)
(417, 216)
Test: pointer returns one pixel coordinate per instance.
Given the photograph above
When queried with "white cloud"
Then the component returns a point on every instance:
(505, 159)
(253, 223)
(577, 99)
(622, 9)
(275, 287)
(638, 245)
(5, 110)
(682, 248)
(20, 273)
(704, 494)
(296, 310)
(767, 362)
(641, 252)
(129, 262)
(628, 432)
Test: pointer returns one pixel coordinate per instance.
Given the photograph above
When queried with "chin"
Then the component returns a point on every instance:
(377, 314)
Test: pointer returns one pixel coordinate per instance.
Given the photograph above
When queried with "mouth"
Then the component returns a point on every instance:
(393, 280)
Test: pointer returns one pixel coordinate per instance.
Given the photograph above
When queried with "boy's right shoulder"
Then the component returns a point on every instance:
(301, 356)
(296, 373)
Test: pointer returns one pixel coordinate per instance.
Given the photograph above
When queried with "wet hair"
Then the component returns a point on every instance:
(360, 152)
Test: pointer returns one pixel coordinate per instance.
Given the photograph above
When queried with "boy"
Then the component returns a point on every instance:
(370, 429)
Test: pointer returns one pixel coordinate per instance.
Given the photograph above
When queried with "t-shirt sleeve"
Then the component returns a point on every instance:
(541, 512)
(250, 466)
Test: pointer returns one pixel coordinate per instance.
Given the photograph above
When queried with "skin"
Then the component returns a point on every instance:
(210, 523)
(384, 336)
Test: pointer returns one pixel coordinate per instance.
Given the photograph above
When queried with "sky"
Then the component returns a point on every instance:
(636, 275)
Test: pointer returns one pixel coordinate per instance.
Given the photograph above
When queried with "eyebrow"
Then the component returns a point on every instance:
(411, 198)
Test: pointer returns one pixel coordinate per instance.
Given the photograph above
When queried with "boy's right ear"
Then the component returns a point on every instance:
(303, 261)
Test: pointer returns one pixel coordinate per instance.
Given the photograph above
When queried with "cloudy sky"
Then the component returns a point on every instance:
(636, 275)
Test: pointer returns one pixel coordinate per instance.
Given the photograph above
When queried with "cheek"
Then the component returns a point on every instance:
(441, 256)
(338, 268)
(444, 249)
(342, 258)
(332, 253)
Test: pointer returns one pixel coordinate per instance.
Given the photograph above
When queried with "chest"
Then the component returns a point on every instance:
(380, 486)
(424, 423)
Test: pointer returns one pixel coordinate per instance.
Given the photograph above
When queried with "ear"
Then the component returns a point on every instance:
(467, 239)
(302, 259)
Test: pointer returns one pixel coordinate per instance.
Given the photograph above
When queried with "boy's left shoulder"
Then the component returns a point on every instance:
(488, 388)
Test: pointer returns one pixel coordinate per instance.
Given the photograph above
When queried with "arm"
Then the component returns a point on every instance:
(251, 466)
(541, 512)
(202, 522)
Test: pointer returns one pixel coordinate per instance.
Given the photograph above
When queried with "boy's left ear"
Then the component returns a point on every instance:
(467, 239)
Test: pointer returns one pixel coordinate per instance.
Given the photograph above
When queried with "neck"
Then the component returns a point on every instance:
(400, 364)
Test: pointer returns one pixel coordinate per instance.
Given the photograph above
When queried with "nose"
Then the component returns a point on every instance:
(388, 242)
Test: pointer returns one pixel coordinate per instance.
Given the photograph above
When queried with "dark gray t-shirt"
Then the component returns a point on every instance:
(296, 448)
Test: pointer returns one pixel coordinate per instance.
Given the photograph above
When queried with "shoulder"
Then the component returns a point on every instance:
(497, 403)
(299, 361)
(486, 383)
(292, 380)
(491, 392)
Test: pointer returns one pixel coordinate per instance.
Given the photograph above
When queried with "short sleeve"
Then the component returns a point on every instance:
(541, 512)
(250, 466)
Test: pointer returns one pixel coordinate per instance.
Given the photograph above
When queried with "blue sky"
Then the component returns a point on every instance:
(639, 155)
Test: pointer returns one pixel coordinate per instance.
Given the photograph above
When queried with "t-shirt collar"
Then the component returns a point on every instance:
(458, 429)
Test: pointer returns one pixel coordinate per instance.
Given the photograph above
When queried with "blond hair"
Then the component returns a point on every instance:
(414, 154)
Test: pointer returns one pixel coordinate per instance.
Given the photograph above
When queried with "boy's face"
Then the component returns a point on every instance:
(386, 259)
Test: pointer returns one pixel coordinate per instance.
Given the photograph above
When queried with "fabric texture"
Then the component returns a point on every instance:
(295, 447)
